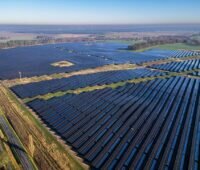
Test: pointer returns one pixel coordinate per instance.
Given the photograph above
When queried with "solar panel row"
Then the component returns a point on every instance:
(80, 81)
(186, 65)
(150, 125)
(196, 73)
(37, 60)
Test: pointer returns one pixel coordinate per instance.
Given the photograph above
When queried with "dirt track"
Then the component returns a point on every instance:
(46, 155)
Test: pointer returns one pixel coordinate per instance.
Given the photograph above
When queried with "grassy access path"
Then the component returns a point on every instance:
(26, 80)
(113, 85)
(7, 158)
(111, 67)
(48, 152)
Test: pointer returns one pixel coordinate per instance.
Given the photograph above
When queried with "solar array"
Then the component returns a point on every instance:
(149, 125)
(146, 56)
(171, 53)
(186, 65)
(37, 60)
(80, 81)
(196, 73)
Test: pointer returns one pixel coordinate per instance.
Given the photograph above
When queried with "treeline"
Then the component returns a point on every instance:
(38, 41)
(16, 43)
(154, 41)
(4, 38)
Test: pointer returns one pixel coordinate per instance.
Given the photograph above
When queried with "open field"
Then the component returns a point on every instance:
(62, 64)
(179, 46)
(111, 109)
(13, 39)
(176, 46)
(20, 39)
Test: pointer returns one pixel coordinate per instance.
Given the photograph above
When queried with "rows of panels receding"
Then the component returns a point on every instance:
(37, 60)
(80, 81)
(171, 53)
(143, 57)
(150, 125)
(195, 73)
(186, 65)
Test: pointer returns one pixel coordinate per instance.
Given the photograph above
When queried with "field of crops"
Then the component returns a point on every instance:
(150, 125)
(37, 60)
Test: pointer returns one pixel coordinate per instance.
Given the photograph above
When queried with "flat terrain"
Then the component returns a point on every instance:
(62, 64)
(176, 46)
(107, 126)
(110, 109)
(37, 60)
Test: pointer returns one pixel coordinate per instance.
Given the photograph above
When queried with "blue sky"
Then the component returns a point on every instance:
(99, 11)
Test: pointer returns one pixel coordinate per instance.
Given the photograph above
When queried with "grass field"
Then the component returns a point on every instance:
(176, 46)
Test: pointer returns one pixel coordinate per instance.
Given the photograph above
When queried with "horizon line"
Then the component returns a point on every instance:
(97, 24)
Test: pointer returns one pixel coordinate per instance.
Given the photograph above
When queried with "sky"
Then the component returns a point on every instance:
(99, 11)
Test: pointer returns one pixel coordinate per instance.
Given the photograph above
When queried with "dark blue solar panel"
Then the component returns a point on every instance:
(80, 81)
(181, 66)
(136, 126)
(37, 60)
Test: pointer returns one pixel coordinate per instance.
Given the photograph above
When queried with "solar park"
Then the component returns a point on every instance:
(146, 117)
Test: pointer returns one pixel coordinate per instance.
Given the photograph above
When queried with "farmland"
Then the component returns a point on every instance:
(177, 46)
(106, 108)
